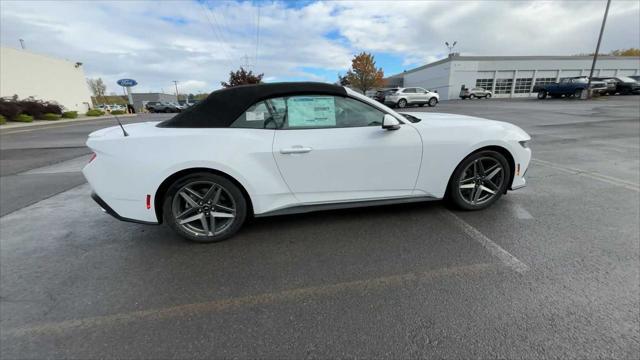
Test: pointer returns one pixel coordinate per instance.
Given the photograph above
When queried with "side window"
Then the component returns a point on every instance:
(409, 91)
(268, 114)
(318, 111)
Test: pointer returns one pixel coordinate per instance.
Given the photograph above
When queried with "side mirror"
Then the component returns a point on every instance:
(390, 123)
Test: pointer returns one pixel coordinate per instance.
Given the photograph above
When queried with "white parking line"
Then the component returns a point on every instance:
(495, 249)
(591, 175)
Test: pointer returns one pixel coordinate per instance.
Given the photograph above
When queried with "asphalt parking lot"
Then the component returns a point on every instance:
(550, 271)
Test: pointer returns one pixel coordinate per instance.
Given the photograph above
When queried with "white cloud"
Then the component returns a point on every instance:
(157, 42)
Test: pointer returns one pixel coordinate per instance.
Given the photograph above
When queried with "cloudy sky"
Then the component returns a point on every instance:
(199, 42)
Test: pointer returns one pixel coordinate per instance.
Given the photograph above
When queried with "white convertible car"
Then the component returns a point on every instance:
(271, 149)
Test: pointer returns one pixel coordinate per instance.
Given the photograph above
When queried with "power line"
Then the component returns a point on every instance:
(229, 59)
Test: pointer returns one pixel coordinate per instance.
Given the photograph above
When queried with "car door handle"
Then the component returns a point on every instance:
(296, 150)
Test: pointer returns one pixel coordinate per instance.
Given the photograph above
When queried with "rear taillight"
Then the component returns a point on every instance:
(93, 156)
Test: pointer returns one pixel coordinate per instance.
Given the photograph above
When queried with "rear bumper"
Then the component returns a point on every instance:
(106, 208)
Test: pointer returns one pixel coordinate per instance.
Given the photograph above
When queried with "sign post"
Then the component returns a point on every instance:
(128, 84)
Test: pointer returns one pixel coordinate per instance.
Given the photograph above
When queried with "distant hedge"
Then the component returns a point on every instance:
(95, 112)
(117, 112)
(12, 107)
(23, 118)
(2, 120)
(69, 114)
(50, 117)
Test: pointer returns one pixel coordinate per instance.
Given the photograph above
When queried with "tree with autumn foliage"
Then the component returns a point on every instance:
(626, 52)
(363, 74)
(242, 77)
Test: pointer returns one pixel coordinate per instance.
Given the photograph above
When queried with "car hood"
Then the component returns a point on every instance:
(453, 121)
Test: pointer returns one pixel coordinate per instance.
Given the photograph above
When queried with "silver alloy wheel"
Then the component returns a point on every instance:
(204, 208)
(481, 180)
(433, 102)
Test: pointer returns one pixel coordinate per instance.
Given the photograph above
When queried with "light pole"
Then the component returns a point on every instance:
(175, 82)
(450, 47)
(595, 56)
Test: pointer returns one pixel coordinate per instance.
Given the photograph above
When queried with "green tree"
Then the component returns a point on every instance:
(242, 77)
(626, 52)
(363, 74)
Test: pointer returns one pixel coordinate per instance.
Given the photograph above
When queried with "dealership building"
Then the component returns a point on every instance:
(26, 74)
(508, 76)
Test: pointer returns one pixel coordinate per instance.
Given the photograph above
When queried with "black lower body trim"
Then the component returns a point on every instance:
(112, 212)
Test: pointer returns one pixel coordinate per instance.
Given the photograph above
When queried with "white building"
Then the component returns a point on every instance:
(45, 78)
(508, 76)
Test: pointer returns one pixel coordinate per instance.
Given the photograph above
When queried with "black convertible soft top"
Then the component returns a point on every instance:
(222, 107)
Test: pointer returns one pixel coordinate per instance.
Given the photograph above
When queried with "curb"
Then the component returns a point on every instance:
(10, 125)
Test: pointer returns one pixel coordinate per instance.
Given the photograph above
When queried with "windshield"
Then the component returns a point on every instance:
(626, 79)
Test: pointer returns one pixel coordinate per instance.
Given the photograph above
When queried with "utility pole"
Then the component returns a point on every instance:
(595, 56)
(22, 44)
(175, 82)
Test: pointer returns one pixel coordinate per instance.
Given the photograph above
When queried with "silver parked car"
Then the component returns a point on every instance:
(475, 93)
(403, 97)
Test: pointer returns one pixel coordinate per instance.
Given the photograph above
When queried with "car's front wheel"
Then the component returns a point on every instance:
(432, 102)
(488, 96)
(205, 207)
(542, 95)
(402, 103)
(479, 180)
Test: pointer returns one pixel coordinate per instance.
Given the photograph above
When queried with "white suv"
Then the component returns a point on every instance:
(411, 96)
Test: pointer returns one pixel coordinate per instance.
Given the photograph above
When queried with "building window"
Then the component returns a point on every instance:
(544, 81)
(486, 84)
(503, 86)
(523, 85)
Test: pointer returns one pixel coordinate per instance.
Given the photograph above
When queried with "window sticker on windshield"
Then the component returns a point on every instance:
(255, 115)
(311, 111)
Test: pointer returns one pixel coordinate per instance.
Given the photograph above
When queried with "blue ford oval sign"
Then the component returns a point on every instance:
(127, 82)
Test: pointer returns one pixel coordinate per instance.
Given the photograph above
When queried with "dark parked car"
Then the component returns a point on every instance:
(635, 77)
(621, 85)
(381, 93)
(568, 87)
(163, 107)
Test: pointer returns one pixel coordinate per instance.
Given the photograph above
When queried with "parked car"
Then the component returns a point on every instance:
(403, 97)
(475, 93)
(568, 87)
(163, 107)
(381, 93)
(283, 148)
(635, 77)
(103, 107)
(620, 85)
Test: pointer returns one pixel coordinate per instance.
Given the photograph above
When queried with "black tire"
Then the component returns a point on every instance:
(402, 103)
(454, 194)
(167, 110)
(578, 93)
(421, 105)
(239, 201)
(472, 96)
(432, 102)
(542, 94)
(488, 96)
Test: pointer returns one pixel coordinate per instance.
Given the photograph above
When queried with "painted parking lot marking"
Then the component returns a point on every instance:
(503, 255)
(591, 175)
(297, 294)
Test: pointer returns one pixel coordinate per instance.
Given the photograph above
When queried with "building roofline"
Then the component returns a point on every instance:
(537, 57)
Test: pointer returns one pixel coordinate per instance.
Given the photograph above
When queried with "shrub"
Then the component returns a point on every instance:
(2, 120)
(23, 118)
(70, 114)
(9, 109)
(51, 108)
(95, 112)
(117, 112)
(50, 116)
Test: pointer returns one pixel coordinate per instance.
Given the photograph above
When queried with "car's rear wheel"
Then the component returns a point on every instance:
(542, 95)
(488, 96)
(432, 102)
(479, 180)
(402, 103)
(205, 207)
(472, 96)
(167, 110)
(578, 93)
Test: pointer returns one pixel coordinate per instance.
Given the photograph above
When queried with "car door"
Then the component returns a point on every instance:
(422, 96)
(333, 149)
(411, 95)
